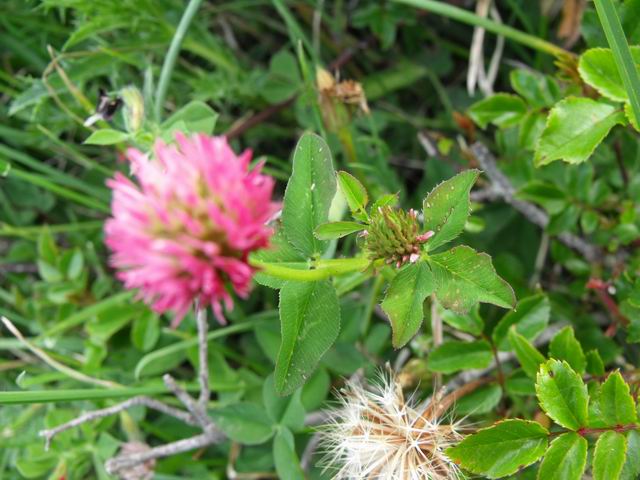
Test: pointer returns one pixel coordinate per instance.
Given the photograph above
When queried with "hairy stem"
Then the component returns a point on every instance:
(319, 269)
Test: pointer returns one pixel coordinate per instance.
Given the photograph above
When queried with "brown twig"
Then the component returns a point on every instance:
(435, 409)
(119, 463)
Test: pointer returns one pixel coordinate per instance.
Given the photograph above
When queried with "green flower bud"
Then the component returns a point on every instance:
(393, 236)
(133, 108)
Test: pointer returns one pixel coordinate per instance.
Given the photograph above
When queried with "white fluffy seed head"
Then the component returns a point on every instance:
(375, 434)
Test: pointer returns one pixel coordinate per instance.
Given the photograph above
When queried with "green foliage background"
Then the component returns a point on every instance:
(562, 127)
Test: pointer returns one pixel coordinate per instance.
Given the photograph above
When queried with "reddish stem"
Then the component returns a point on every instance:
(601, 289)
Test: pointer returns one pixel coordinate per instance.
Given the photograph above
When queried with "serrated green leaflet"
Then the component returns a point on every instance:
(332, 230)
(530, 317)
(616, 403)
(562, 394)
(502, 449)
(540, 91)
(286, 411)
(309, 193)
(631, 468)
(528, 356)
(564, 346)
(404, 299)
(106, 136)
(446, 208)
(503, 110)
(595, 365)
(310, 322)
(194, 117)
(285, 457)
(609, 456)
(575, 127)
(353, 192)
(565, 459)
(598, 68)
(628, 112)
(464, 277)
(454, 355)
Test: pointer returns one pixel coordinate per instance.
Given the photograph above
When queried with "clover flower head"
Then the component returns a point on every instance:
(184, 230)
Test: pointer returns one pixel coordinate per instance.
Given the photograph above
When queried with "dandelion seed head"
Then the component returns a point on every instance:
(375, 433)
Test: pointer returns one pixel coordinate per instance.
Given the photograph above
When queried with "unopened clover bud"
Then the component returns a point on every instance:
(133, 108)
(422, 238)
(393, 236)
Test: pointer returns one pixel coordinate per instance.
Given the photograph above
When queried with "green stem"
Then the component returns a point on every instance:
(465, 16)
(74, 395)
(7, 230)
(172, 56)
(320, 269)
(372, 301)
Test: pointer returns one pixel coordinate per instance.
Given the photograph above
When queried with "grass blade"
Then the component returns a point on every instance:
(621, 52)
(465, 16)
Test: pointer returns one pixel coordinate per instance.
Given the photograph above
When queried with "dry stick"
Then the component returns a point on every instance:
(435, 409)
(195, 415)
(120, 463)
(106, 412)
(190, 404)
(56, 365)
(198, 410)
(203, 327)
(504, 189)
